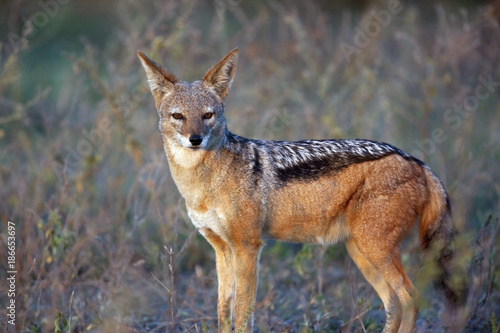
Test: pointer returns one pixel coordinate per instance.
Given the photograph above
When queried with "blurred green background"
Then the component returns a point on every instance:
(84, 177)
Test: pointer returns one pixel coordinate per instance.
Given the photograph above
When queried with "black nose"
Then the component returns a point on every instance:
(195, 139)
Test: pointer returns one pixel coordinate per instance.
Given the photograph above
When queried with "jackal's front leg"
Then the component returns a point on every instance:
(225, 279)
(245, 258)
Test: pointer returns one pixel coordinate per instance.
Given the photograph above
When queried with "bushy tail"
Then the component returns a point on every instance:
(436, 237)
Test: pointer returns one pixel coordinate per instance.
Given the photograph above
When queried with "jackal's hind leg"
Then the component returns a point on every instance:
(387, 262)
(406, 291)
(389, 298)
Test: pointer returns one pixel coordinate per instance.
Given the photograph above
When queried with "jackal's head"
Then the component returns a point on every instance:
(191, 114)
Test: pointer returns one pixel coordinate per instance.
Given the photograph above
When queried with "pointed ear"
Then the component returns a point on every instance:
(160, 80)
(221, 75)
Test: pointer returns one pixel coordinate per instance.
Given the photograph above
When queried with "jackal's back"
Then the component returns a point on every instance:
(306, 160)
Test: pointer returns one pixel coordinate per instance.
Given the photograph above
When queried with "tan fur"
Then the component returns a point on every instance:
(234, 196)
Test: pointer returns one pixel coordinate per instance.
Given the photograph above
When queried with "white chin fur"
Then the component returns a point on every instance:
(184, 157)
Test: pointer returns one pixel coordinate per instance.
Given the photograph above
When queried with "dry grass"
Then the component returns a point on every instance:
(84, 178)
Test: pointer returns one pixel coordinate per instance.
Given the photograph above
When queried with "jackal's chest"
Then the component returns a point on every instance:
(210, 218)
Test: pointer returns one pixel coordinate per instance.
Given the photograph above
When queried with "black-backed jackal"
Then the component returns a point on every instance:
(239, 191)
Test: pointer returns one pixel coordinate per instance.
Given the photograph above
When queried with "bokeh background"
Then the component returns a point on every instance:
(104, 243)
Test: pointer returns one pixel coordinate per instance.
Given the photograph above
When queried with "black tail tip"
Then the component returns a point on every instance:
(454, 295)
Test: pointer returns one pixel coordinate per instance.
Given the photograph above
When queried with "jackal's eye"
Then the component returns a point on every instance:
(208, 115)
(177, 116)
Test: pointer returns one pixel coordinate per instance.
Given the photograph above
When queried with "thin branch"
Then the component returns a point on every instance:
(164, 286)
(351, 284)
